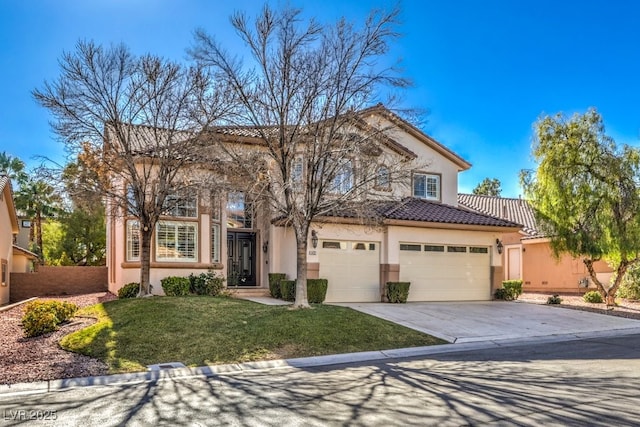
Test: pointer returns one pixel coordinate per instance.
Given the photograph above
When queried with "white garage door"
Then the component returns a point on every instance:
(440, 272)
(352, 269)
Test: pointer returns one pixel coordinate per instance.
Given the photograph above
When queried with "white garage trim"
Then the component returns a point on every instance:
(352, 269)
(446, 272)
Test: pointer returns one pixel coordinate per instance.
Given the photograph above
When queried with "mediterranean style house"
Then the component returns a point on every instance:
(422, 236)
(527, 254)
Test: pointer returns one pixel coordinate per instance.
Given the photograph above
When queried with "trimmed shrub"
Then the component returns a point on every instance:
(130, 290)
(175, 286)
(502, 294)
(288, 290)
(274, 284)
(397, 292)
(554, 299)
(593, 297)
(513, 288)
(41, 317)
(316, 290)
(207, 283)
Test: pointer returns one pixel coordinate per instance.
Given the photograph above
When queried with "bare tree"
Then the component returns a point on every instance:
(299, 96)
(133, 121)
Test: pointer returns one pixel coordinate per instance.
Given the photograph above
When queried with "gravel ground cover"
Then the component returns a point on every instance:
(41, 358)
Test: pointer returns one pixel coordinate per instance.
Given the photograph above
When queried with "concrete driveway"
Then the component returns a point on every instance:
(460, 322)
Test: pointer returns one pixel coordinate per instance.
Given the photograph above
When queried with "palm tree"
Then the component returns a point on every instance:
(38, 200)
(13, 167)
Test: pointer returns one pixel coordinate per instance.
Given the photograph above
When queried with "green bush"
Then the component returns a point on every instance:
(316, 290)
(288, 290)
(630, 286)
(41, 317)
(513, 288)
(274, 284)
(554, 299)
(397, 291)
(502, 294)
(130, 290)
(207, 283)
(175, 286)
(593, 297)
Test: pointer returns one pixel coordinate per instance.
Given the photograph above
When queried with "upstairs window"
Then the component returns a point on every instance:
(297, 170)
(343, 180)
(181, 206)
(383, 178)
(426, 186)
(239, 211)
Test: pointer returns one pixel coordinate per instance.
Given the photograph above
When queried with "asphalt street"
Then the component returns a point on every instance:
(591, 382)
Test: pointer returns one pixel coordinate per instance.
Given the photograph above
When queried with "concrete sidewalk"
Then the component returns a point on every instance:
(463, 322)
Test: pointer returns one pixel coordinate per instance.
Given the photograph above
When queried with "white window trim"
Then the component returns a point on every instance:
(426, 177)
(176, 224)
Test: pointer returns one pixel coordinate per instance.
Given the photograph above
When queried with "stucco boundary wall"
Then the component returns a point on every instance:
(58, 281)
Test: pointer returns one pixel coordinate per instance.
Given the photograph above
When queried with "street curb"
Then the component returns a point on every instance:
(298, 363)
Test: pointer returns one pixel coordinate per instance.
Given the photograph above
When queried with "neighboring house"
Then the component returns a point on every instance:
(8, 229)
(447, 253)
(527, 254)
(24, 261)
(24, 239)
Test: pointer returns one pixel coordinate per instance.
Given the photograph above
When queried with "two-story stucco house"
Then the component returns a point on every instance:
(447, 253)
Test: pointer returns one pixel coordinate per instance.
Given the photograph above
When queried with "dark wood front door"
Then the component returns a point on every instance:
(241, 258)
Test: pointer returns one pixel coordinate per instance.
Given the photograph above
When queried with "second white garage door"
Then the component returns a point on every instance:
(352, 269)
(440, 272)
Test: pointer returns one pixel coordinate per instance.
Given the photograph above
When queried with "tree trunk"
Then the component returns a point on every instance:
(39, 234)
(610, 298)
(146, 232)
(301, 271)
(609, 294)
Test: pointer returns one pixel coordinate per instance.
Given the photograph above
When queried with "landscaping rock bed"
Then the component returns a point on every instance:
(625, 308)
(41, 358)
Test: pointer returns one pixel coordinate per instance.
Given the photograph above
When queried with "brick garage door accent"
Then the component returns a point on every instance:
(58, 281)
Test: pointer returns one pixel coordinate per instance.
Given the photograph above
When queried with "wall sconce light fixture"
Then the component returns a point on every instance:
(314, 239)
(265, 246)
(499, 246)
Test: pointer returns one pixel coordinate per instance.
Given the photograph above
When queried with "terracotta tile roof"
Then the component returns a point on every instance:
(420, 210)
(516, 210)
(3, 181)
(413, 209)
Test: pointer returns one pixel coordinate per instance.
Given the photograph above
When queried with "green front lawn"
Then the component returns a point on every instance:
(133, 333)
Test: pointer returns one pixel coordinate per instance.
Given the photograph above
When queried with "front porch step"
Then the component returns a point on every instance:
(249, 292)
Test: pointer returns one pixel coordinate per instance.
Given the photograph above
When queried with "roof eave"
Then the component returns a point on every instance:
(462, 164)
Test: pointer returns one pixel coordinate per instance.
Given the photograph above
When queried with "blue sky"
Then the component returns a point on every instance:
(485, 70)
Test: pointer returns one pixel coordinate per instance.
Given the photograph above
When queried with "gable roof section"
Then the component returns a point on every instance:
(516, 210)
(413, 209)
(383, 111)
(5, 189)
(254, 134)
